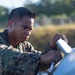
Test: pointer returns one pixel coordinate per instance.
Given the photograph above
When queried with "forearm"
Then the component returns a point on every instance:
(46, 59)
(44, 62)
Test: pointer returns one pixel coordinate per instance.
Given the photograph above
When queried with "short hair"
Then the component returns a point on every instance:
(20, 12)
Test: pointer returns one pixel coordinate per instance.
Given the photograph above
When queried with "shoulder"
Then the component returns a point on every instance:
(4, 37)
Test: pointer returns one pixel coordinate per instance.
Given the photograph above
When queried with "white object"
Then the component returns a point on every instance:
(64, 47)
(51, 67)
(67, 65)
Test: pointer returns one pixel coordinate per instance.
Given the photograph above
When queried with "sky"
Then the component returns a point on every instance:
(14, 3)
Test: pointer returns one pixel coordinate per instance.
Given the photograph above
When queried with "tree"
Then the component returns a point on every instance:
(3, 14)
(53, 7)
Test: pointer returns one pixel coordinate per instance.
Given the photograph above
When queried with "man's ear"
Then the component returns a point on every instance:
(10, 23)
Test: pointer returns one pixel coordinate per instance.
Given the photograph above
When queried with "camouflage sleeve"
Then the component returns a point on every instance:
(12, 62)
(29, 48)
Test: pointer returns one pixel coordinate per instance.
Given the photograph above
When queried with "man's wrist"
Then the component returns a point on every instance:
(53, 47)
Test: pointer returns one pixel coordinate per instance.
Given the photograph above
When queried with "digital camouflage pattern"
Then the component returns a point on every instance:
(21, 60)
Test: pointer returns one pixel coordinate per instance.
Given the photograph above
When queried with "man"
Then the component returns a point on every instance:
(17, 56)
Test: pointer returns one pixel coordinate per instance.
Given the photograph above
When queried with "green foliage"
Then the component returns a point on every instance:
(53, 7)
(3, 14)
(48, 8)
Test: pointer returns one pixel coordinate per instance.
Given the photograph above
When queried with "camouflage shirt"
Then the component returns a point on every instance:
(21, 60)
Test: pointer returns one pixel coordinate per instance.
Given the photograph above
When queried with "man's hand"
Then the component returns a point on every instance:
(57, 37)
(53, 55)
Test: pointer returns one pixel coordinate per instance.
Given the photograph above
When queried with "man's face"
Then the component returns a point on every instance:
(21, 30)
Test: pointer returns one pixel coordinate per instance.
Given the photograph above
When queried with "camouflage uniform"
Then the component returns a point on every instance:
(21, 60)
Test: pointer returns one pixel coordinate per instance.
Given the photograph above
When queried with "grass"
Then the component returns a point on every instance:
(43, 34)
(1, 29)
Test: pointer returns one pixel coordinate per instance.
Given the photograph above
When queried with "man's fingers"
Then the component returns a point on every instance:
(57, 56)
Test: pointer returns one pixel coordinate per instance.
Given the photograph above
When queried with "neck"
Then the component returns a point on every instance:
(12, 41)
